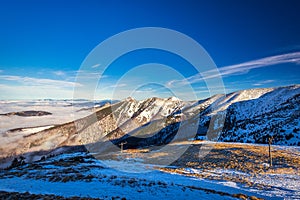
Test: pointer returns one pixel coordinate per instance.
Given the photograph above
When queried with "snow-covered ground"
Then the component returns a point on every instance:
(279, 185)
(91, 178)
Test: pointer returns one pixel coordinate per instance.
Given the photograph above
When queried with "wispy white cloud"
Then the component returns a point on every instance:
(263, 82)
(143, 90)
(1, 71)
(59, 73)
(39, 81)
(85, 74)
(95, 66)
(241, 68)
(113, 86)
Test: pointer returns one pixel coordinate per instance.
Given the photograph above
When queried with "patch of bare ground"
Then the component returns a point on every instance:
(251, 159)
(239, 196)
(247, 160)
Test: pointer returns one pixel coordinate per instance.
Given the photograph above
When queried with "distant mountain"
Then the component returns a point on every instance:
(28, 113)
(244, 116)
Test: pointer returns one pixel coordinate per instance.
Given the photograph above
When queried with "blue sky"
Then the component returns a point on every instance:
(43, 44)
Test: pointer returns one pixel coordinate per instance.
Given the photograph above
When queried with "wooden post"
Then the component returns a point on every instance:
(270, 153)
(122, 144)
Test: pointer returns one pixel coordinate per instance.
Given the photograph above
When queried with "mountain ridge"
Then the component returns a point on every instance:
(244, 116)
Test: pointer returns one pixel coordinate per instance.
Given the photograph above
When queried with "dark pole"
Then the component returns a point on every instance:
(270, 153)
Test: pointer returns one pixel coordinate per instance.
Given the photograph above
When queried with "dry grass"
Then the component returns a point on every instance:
(136, 150)
(251, 160)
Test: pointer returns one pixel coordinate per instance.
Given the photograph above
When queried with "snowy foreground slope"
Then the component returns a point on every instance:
(80, 175)
(95, 181)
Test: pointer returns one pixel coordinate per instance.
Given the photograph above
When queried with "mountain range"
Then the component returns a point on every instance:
(248, 116)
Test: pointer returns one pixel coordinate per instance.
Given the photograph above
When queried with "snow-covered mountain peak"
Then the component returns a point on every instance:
(174, 99)
(130, 99)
